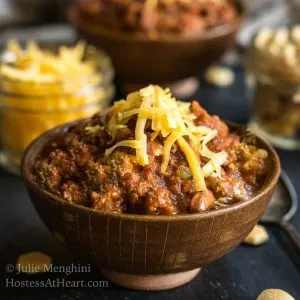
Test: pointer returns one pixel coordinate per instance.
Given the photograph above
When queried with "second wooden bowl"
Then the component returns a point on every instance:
(139, 59)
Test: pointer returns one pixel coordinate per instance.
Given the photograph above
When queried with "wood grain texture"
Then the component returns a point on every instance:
(154, 248)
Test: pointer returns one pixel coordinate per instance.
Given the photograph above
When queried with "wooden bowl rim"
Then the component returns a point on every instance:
(267, 187)
(214, 33)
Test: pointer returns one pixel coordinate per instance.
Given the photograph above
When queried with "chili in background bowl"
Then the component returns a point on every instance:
(167, 59)
(141, 251)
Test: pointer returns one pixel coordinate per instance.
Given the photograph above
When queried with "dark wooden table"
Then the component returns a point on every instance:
(242, 274)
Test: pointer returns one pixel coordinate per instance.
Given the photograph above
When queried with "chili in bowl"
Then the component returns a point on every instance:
(171, 39)
(150, 187)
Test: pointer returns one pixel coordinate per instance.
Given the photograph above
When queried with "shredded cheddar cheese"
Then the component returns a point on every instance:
(172, 138)
(194, 164)
(173, 121)
(36, 65)
(43, 87)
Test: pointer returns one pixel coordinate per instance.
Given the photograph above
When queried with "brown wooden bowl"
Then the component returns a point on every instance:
(140, 60)
(147, 252)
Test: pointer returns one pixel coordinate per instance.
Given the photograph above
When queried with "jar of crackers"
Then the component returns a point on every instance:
(273, 61)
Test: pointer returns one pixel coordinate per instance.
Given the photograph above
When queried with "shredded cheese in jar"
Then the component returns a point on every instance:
(43, 87)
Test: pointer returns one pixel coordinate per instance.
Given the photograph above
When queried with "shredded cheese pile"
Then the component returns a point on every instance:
(34, 64)
(172, 120)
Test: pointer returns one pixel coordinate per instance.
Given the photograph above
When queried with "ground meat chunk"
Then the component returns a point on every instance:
(73, 192)
(110, 199)
(63, 161)
(248, 160)
(155, 148)
(97, 174)
(255, 163)
(148, 193)
(158, 202)
(224, 138)
(125, 164)
(49, 175)
(228, 187)
(152, 202)
(80, 152)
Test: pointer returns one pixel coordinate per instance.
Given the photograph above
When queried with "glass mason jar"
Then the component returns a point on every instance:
(27, 109)
(276, 103)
